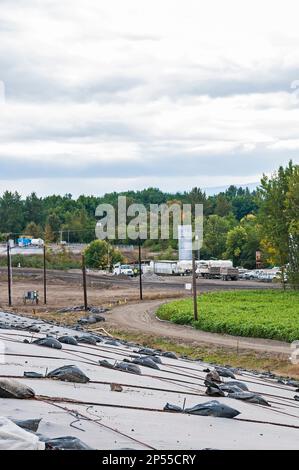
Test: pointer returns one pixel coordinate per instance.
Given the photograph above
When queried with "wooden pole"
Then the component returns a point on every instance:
(9, 273)
(84, 283)
(140, 269)
(45, 276)
(194, 287)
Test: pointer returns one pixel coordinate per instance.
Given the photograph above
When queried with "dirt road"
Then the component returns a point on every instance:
(140, 317)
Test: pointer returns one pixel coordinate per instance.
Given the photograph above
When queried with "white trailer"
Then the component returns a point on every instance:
(37, 242)
(164, 267)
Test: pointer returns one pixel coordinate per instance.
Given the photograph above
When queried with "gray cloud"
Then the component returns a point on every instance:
(79, 76)
(166, 163)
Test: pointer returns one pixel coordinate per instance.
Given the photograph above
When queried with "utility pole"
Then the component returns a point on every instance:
(194, 290)
(9, 273)
(84, 283)
(45, 276)
(140, 269)
(108, 260)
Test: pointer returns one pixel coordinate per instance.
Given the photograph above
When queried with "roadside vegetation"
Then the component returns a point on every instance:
(62, 261)
(272, 314)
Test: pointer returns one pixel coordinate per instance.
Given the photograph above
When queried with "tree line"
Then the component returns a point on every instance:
(237, 222)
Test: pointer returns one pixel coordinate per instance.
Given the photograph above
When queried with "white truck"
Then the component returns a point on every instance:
(125, 269)
(184, 268)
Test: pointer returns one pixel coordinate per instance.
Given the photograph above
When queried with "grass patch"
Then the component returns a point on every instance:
(271, 314)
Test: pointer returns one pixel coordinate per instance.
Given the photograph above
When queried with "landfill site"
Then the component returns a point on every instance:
(73, 388)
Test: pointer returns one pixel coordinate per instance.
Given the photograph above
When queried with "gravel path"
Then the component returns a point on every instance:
(140, 317)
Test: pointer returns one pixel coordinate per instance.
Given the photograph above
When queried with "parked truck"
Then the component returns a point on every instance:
(211, 269)
(229, 274)
(125, 269)
(184, 268)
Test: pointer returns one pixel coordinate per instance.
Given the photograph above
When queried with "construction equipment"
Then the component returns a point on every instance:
(31, 296)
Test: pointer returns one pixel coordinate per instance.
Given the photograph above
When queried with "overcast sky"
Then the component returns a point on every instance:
(124, 94)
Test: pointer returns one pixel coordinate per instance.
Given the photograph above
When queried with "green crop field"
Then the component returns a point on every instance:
(270, 314)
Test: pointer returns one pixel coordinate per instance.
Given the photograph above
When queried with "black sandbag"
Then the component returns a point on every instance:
(28, 424)
(153, 358)
(99, 318)
(214, 391)
(237, 383)
(33, 329)
(169, 354)
(33, 375)
(249, 397)
(146, 362)
(231, 388)
(68, 340)
(213, 408)
(69, 373)
(173, 408)
(87, 340)
(112, 342)
(293, 383)
(66, 443)
(224, 372)
(128, 367)
(10, 388)
(48, 342)
(105, 363)
(147, 351)
(87, 321)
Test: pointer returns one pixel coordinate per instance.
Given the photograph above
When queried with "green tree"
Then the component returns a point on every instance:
(292, 207)
(49, 235)
(278, 213)
(79, 227)
(214, 235)
(100, 254)
(223, 206)
(236, 239)
(33, 209)
(243, 241)
(11, 213)
(33, 230)
(54, 222)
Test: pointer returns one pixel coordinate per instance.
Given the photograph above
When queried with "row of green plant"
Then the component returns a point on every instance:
(272, 314)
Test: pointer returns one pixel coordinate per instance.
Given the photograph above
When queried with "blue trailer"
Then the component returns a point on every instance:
(24, 241)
